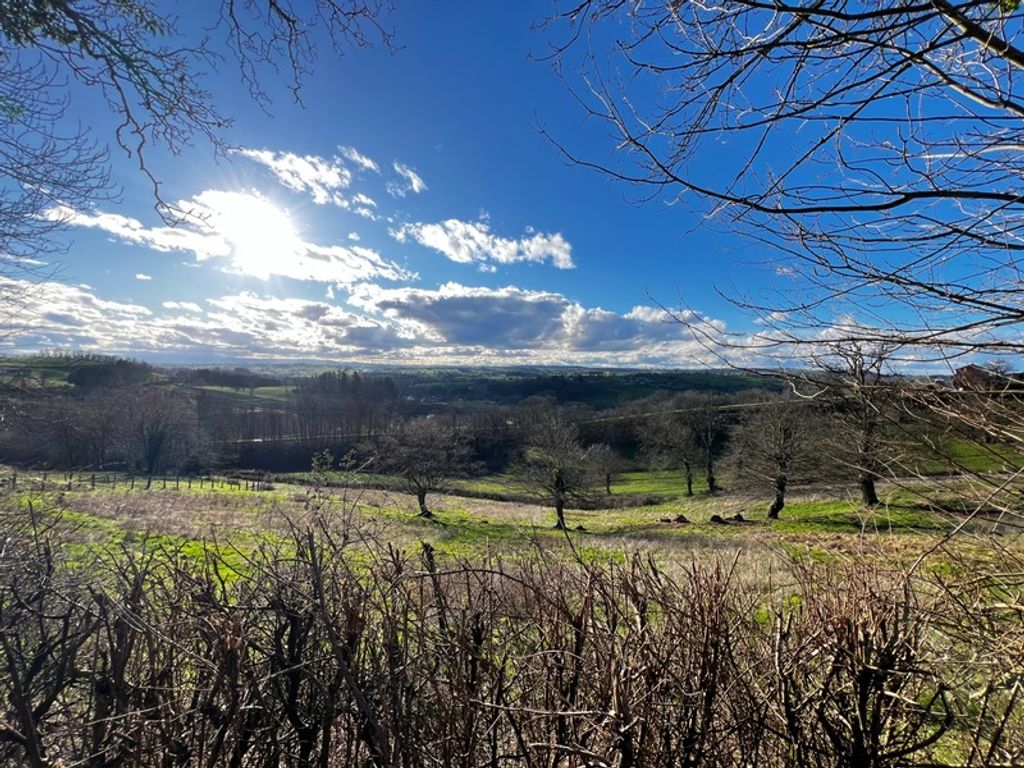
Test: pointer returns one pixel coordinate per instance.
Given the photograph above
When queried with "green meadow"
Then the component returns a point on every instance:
(494, 516)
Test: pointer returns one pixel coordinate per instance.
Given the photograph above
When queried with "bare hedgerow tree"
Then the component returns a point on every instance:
(162, 431)
(874, 149)
(775, 445)
(702, 413)
(876, 145)
(147, 62)
(557, 467)
(668, 441)
(425, 455)
(607, 463)
(860, 408)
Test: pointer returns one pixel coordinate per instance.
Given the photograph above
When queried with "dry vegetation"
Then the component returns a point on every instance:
(329, 626)
(323, 645)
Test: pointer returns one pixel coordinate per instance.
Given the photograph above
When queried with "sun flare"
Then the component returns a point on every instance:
(258, 233)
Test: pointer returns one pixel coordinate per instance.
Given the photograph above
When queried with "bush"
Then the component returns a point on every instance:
(326, 649)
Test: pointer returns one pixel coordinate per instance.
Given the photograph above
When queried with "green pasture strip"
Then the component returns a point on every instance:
(469, 528)
(339, 479)
(100, 481)
(853, 517)
(658, 482)
(274, 394)
(504, 483)
(956, 454)
(85, 535)
(508, 485)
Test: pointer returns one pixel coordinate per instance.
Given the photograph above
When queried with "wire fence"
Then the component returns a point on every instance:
(72, 481)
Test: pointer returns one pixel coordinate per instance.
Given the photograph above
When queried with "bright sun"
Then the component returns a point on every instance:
(259, 233)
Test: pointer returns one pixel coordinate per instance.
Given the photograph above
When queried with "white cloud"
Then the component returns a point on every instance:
(141, 276)
(186, 306)
(245, 325)
(469, 242)
(537, 326)
(321, 178)
(50, 314)
(354, 156)
(410, 181)
(497, 317)
(203, 244)
(451, 324)
(246, 233)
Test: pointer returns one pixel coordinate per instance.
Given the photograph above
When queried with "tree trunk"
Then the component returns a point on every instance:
(867, 489)
(560, 514)
(712, 483)
(608, 483)
(421, 498)
(780, 498)
(688, 473)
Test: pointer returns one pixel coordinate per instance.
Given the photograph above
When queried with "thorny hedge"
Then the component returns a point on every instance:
(328, 649)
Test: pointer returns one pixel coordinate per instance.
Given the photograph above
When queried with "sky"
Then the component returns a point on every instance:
(410, 211)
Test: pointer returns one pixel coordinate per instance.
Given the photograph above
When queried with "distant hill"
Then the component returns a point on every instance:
(598, 388)
(83, 371)
(594, 387)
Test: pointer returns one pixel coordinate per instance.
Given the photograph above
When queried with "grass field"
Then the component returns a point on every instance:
(276, 394)
(817, 523)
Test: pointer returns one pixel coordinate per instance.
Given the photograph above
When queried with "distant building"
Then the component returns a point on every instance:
(975, 378)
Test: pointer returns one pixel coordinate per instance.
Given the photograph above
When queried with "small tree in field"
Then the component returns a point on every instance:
(425, 455)
(606, 464)
(853, 382)
(668, 442)
(557, 466)
(776, 444)
(708, 428)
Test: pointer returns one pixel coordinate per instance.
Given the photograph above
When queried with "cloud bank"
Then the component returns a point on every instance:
(244, 232)
(454, 324)
(472, 242)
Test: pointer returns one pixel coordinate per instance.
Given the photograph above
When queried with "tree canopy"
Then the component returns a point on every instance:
(874, 147)
(149, 62)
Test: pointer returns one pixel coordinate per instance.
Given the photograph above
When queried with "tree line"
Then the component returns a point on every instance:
(848, 423)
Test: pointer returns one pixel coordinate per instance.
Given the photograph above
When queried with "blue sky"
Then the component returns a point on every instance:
(411, 211)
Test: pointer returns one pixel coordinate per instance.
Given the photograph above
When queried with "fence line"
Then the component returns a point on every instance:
(68, 481)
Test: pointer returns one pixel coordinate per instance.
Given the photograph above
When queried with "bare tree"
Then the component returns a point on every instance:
(557, 467)
(147, 61)
(668, 441)
(898, 192)
(162, 430)
(856, 384)
(776, 444)
(707, 423)
(425, 455)
(606, 463)
(874, 148)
